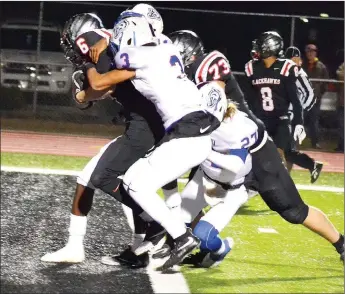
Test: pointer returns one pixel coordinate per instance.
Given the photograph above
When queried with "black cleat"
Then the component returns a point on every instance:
(127, 257)
(342, 257)
(195, 259)
(315, 172)
(163, 252)
(183, 246)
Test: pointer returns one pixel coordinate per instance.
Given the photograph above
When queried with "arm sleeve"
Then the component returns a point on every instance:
(305, 91)
(291, 88)
(225, 161)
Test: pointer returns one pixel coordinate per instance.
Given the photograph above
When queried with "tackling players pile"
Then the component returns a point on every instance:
(185, 111)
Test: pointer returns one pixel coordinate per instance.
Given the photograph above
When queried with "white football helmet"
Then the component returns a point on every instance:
(132, 31)
(150, 13)
(214, 99)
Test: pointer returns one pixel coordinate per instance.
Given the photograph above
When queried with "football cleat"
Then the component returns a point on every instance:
(315, 172)
(183, 246)
(154, 239)
(163, 252)
(67, 254)
(212, 259)
(128, 258)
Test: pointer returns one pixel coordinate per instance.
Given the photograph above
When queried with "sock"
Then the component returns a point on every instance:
(173, 201)
(77, 230)
(157, 209)
(137, 239)
(339, 245)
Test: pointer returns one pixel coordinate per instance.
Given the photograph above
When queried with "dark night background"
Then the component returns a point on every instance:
(231, 34)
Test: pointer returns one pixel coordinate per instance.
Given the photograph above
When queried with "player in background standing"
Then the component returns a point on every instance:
(271, 89)
(270, 177)
(307, 98)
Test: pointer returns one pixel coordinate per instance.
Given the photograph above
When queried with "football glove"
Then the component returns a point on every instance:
(78, 79)
(299, 134)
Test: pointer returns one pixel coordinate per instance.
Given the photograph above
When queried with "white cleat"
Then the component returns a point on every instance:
(213, 260)
(66, 254)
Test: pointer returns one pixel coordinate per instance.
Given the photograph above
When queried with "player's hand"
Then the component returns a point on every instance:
(97, 49)
(78, 78)
(299, 134)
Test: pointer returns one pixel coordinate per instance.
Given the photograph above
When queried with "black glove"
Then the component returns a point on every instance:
(78, 79)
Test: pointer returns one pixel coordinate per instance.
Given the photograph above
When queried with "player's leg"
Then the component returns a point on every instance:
(281, 195)
(81, 206)
(166, 163)
(213, 249)
(281, 137)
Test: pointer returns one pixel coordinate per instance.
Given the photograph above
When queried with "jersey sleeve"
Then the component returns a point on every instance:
(214, 67)
(290, 72)
(88, 39)
(131, 58)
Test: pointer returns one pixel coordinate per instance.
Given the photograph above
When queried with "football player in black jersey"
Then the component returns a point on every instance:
(269, 176)
(144, 129)
(272, 88)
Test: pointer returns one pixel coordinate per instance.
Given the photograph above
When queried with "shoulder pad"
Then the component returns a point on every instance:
(248, 68)
(287, 65)
(202, 72)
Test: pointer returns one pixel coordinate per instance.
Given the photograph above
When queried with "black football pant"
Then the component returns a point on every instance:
(271, 179)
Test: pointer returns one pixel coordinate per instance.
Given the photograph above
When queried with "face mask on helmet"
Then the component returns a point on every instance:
(214, 99)
(134, 31)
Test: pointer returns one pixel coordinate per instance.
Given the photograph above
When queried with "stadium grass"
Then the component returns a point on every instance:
(78, 163)
(293, 260)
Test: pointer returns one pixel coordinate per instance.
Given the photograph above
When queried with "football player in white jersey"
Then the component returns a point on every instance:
(158, 73)
(219, 180)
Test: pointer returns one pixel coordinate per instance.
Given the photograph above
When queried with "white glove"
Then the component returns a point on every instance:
(78, 79)
(299, 134)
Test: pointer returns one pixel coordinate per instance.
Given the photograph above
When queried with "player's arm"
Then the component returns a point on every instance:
(84, 42)
(128, 61)
(105, 81)
(228, 162)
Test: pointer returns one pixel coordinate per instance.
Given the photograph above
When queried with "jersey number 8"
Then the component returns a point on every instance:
(267, 101)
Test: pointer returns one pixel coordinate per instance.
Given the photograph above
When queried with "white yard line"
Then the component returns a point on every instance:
(162, 283)
(267, 230)
(75, 173)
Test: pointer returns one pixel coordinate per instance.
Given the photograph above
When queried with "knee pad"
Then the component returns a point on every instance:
(208, 236)
(296, 215)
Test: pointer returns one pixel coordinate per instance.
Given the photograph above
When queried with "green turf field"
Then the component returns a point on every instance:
(293, 260)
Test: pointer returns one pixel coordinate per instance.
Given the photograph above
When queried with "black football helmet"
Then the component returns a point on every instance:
(74, 27)
(270, 44)
(189, 44)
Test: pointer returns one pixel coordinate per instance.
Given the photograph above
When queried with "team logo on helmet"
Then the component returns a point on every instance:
(119, 28)
(152, 13)
(213, 98)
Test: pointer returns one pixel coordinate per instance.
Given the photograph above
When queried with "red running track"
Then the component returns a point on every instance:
(68, 145)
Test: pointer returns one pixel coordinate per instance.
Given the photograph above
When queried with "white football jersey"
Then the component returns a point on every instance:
(231, 141)
(160, 78)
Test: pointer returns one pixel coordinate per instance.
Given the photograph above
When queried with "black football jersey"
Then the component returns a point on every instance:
(214, 66)
(136, 108)
(271, 90)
